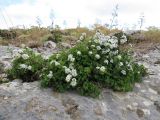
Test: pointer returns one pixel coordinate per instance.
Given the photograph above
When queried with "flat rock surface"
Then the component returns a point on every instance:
(27, 101)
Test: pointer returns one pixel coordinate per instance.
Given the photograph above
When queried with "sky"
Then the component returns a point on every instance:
(68, 13)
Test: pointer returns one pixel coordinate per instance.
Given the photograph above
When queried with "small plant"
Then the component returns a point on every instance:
(92, 65)
(26, 65)
(56, 35)
(8, 34)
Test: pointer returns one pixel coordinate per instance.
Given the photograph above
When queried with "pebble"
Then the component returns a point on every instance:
(130, 107)
(146, 111)
(137, 85)
(5, 98)
(146, 103)
(143, 91)
(152, 91)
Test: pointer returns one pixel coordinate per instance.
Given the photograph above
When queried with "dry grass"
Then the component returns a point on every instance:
(35, 37)
(31, 37)
(152, 35)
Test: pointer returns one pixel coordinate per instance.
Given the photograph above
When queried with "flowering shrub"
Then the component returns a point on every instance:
(92, 65)
(26, 65)
(87, 68)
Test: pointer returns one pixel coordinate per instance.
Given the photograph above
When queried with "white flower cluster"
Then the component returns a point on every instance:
(25, 56)
(79, 53)
(123, 39)
(55, 62)
(90, 52)
(111, 41)
(45, 57)
(71, 74)
(50, 75)
(24, 66)
(123, 72)
(106, 62)
(37, 53)
(20, 53)
(71, 58)
(17, 53)
(82, 37)
(102, 68)
(97, 56)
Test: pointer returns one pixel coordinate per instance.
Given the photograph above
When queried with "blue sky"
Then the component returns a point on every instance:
(9, 2)
(24, 12)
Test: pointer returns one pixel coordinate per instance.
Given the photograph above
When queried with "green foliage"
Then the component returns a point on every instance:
(88, 67)
(89, 89)
(97, 65)
(7, 34)
(26, 65)
(56, 35)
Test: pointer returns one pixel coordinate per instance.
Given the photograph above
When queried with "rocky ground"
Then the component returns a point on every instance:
(27, 101)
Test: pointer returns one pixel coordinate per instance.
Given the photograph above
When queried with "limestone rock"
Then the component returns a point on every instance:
(65, 45)
(50, 44)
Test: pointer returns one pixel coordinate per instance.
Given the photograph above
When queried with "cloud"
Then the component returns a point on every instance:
(88, 11)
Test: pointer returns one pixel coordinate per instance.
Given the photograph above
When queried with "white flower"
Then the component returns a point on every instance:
(74, 72)
(20, 51)
(45, 57)
(98, 48)
(111, 60)
(64, 67)
(123, 72)
(123, 39)
(120, 64)
(116, 52)
(50, 75)
(113, 45)
(25, 56)
(71, 58)
(92, 46)
(73, 82)
(102, 69)
(84, 34)
(56, 63)
(71, 66)
(67, 70)
(79, 53)
(105, 51)
(52, 62)
(90, 52)
(96, 41)
(81, 37)
(97, 67)
(23, 66)
(68, 78)
(29, 67)
(36, 53)
(106, 61)
(57, 56)
(97, 56)
(100, 42)
(107, 44)
(119, 57)
(16, 55)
